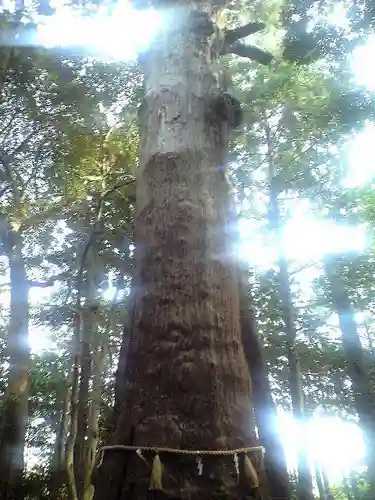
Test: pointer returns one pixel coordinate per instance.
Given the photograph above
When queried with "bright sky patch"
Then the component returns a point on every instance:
(117, 36)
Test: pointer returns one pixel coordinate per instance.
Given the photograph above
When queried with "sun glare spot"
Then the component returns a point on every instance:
(362, 67)
(324, 443)
(317, 238)
(117, 36)
(39, 339)
(304, 239)
(361, 157)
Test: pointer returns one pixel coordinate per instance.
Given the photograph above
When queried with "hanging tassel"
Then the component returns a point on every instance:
(261, 461)
(156, 474)
(236, 466)
(199, 465)
(250, 472)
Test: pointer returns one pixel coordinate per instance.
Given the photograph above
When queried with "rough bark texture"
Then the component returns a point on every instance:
(264, 407)
(304, 480)
(356, 365)
(14, 418)
(120, 383)
(187, 384)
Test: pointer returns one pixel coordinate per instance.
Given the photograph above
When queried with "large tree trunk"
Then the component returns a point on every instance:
(304, 480)
(188, 384)
(357, 370)
(15, 413)
(264, 407)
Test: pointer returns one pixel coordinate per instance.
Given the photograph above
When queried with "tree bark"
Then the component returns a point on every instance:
(356, 365)
(187, 383)
(14, 419)
(264, 407)
(120, 382)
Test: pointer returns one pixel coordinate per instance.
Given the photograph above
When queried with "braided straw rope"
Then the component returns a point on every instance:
(157, 449)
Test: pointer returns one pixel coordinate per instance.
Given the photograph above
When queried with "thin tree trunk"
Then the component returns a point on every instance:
(58, 459)
(80, 451)
(304, 480)
(347, 489)
(320, 482)
(265, 409)
(370, 339)
(73, 423)
(93, 422)
(188, 384)
(14, 419)
(354, 486)
(58, 462)
(357, 370)
(5, 55)
(326, 483)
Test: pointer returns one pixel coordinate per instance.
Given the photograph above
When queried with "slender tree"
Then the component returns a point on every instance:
(264, 407)
(356, 363)
(13, 432)
(304, 484)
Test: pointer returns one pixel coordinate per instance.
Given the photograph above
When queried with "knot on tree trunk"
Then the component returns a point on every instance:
(200, 23)
(223, 107)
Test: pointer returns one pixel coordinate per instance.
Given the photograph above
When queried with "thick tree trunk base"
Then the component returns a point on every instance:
(129, 478)
(160, 495)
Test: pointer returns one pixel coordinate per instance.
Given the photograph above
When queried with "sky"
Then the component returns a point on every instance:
(305, 238)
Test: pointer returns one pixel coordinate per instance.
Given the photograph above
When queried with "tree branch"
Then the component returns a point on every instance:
(51, 281)
(251, 52)
(58, 209)
(117, 186)
(43, 284)
(232, 36)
